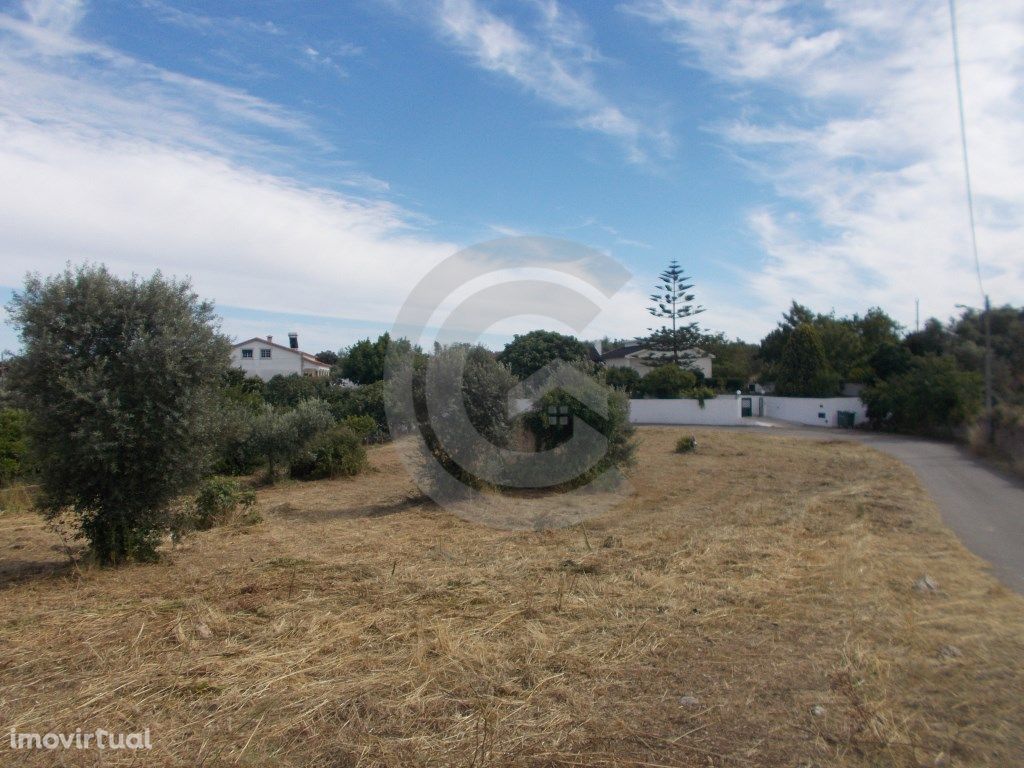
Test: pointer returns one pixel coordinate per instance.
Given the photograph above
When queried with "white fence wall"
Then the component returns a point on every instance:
(721, 410)
(815, 412)
(725, 410)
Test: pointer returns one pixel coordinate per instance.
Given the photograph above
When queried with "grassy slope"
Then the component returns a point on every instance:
(360, 626)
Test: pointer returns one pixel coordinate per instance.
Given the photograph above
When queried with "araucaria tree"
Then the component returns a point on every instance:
(120, 379)
(673, 303)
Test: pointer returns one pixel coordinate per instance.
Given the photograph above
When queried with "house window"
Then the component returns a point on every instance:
(247, 354)
(265, 354)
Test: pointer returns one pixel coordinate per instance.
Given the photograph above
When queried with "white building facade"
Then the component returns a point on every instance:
(643, 360)
(262, 358)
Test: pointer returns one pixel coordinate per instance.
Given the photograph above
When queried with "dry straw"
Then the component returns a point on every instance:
(753, 605)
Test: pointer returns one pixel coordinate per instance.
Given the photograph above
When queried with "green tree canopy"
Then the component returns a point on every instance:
(528, 353)
(120, 379)
(933, 396)
(848, 343)
(803, 370)
(364, 361)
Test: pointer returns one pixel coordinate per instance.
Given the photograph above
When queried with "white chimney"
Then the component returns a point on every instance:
(270, 339)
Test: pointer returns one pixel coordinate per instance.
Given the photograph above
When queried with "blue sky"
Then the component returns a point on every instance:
(307, 163)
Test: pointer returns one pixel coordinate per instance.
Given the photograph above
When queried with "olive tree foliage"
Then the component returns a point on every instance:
(13, 446)
(281, 435)
(120, 379)
(428, 393)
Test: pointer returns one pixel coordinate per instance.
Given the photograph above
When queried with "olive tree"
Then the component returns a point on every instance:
(280, 435)
(119, 378)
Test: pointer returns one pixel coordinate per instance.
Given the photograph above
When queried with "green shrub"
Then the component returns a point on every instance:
(219, 500)
(338, 453)
(626, 379)
(528, 353)
(701, 394)
(933, 397)
(466, 378)
(237, 452)
(686, 444)
(282, 436)
(364, 425)
(367, 400)
(666, 382)
(13, 445)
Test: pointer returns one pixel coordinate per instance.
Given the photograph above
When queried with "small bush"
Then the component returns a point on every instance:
(338, 453)
(701, 394)
(686, 444)
(364, 425)
(219, 500)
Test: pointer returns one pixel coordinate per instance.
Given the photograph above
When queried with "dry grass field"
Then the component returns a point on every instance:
(754, 604)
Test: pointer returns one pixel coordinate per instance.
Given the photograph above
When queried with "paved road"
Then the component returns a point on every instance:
(984, 506)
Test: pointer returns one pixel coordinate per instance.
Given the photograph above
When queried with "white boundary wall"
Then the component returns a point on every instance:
(813, 411)
(721, 410)
(725, 410)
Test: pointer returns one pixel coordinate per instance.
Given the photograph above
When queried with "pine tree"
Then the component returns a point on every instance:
(671, 301)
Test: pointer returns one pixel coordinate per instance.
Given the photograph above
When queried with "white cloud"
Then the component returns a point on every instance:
(849, 111)
(553, 61)
(109, 159)
(59, 16)
(742, 40)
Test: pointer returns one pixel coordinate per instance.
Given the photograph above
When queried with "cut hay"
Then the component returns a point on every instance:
(753, 604)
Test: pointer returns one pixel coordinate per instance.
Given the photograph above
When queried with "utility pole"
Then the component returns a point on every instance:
(917, 315)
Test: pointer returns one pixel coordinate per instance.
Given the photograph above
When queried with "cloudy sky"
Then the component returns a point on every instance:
(307, 163)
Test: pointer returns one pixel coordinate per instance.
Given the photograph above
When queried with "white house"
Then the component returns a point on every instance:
(644, 360)
(264, 359)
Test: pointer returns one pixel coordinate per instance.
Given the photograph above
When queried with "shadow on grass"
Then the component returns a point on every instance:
(290, 511)
(15, 572)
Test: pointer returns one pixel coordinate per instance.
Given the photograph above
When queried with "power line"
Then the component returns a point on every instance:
(963, 146)
(987, 314)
